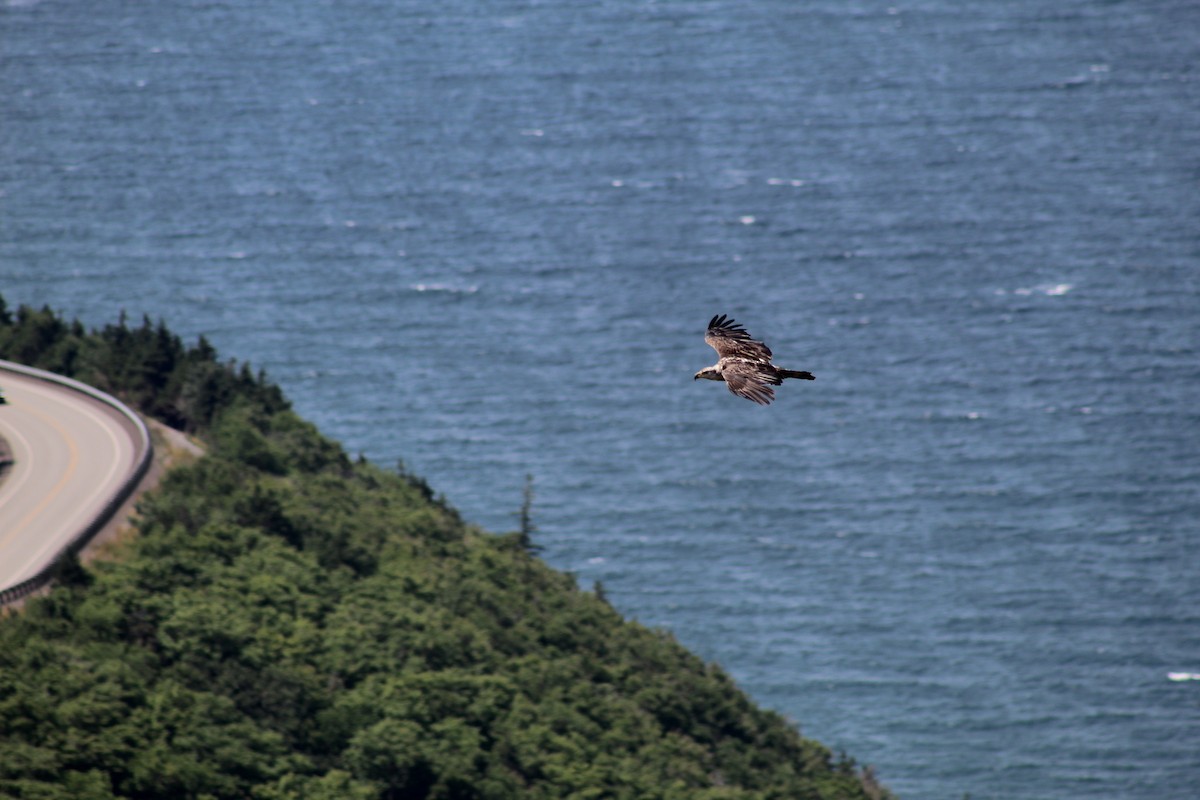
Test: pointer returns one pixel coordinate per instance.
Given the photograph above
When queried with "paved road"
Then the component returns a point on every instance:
(71, 453)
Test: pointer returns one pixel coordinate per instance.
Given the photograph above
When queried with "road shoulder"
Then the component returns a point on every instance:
(172, 448)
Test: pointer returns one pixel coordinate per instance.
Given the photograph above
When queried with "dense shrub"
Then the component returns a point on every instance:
(292, 624)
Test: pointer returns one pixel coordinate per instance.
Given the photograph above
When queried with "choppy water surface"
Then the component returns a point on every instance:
(485, 239)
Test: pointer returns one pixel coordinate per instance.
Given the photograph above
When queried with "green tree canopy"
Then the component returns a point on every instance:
(290, 624)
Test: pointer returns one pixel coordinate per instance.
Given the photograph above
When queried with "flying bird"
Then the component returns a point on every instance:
(744, 363)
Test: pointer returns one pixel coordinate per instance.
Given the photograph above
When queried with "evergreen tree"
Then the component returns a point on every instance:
(291, 624)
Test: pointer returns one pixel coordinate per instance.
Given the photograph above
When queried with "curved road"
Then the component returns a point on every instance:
(72, 453)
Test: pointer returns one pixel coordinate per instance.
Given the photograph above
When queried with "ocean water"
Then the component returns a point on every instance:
(485, 238)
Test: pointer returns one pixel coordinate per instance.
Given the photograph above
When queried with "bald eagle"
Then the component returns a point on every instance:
(744, 363)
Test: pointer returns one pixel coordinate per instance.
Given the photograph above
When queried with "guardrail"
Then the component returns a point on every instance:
(146, 454)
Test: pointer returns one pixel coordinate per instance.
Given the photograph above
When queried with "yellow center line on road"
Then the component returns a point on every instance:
(13, 484)
(100, 486)
(52, 495)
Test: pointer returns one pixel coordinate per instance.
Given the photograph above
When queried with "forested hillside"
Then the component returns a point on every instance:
(293, 623)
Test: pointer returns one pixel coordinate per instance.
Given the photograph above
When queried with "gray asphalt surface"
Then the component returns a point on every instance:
(71, 454)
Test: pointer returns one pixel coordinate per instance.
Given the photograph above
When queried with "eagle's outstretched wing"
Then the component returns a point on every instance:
(730, 339)
(750, 379)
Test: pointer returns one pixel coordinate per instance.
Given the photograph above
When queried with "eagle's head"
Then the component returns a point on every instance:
(709, 374)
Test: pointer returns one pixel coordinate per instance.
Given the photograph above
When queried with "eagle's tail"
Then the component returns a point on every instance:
(791, 373)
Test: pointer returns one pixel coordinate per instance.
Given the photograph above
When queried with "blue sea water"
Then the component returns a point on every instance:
(484, 238)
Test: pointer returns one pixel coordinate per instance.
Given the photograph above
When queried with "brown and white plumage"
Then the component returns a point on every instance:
(743, 363)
